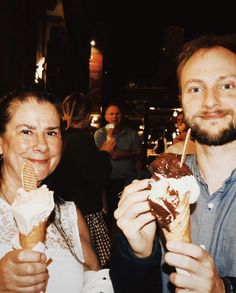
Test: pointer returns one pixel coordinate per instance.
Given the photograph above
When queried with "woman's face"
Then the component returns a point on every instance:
(33, 135)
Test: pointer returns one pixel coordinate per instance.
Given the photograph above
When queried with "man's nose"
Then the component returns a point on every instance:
(211, 99)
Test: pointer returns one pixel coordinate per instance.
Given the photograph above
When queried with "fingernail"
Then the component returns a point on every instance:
(170, 244)
(43, 257)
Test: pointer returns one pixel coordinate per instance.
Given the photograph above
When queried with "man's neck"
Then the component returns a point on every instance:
(216, 163)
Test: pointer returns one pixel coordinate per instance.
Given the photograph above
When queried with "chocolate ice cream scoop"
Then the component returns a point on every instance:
(168, 165)
(173, 187)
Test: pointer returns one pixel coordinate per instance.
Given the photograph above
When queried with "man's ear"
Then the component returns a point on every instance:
(180, 98)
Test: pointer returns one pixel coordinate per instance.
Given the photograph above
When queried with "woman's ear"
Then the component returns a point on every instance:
(0, 146)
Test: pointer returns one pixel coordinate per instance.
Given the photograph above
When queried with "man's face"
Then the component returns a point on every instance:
(208, 83)
(113, 115)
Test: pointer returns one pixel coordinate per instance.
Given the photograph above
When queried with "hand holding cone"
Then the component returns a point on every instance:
(31, 209)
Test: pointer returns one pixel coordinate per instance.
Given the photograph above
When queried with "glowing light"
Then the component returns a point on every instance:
(95, 120)
(92, 43)
(175, 113)
(39, 69)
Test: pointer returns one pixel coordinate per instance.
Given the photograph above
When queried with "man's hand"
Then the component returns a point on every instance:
(135, 219)
(108, 145)
(201, 272)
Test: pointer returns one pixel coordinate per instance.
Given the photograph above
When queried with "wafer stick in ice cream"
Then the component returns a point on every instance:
(186, 142)
(29, 182)
(28, 177)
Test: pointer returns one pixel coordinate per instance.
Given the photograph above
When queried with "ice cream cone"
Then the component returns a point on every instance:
(173, 190)
(110, 132)
(180, 228)
(34, 237)
(109, 129)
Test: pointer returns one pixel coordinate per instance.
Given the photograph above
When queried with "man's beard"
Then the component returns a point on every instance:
(224, 136)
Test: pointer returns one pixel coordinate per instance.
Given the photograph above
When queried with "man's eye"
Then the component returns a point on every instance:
(227, 86)
(195, 90)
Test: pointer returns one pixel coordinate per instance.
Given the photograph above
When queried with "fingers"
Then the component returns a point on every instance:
(195, 261)
(132, 202)
(196, 253)
(41, 287)
(32, 279)
(133, 205)
(133, 219)
(24, 271)
(134, 187)
(28, 255)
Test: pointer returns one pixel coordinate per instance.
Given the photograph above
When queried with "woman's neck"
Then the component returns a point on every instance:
(8, 189)
(7, 195)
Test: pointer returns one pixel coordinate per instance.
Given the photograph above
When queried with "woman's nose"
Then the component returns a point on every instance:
(40, 143)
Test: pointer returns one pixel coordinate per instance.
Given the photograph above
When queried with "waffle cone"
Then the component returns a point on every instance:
(180, 228)
(36, 235)
(109, 133)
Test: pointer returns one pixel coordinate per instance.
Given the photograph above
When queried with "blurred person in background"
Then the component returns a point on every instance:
(178, 142)
(126, 155)
(84, 171)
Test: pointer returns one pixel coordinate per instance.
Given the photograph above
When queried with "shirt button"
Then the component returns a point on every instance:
(210, 206)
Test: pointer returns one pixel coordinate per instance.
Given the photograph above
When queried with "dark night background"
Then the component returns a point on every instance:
(139, 41)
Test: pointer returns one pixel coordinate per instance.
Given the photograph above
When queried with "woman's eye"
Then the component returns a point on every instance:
(52, 133)
(26, 131)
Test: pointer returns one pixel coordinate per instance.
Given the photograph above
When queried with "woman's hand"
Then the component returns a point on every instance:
(135, 219)
(23, 271)
(201, 272)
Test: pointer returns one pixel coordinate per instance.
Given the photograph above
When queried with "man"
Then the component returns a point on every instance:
(125, 155)
(207, 83)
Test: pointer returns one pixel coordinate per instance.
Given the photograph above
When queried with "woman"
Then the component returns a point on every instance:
(30, 132)
(84, 171)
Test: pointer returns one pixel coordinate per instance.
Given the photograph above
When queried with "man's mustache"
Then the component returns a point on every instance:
(206, 114)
